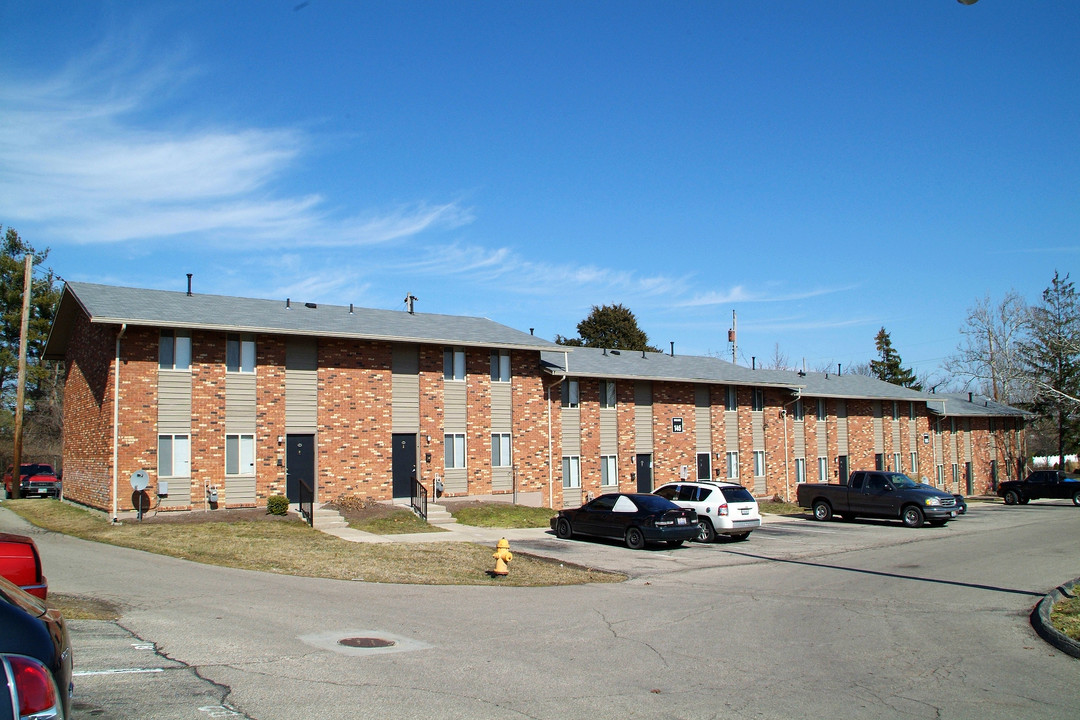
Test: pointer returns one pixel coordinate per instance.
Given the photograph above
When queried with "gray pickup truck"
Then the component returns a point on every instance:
(881, 495)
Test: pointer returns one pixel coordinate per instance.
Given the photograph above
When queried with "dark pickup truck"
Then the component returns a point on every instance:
(881, 495)
(1041, 484)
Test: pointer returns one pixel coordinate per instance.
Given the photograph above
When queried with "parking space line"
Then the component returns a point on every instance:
(117, 671)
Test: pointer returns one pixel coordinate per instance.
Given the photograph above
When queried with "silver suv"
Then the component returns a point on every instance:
(723, 508)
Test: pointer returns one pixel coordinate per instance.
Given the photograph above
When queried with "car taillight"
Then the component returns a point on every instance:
(34, 687)
(722, 510)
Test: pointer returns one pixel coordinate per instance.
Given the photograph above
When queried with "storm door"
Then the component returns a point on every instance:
(299, 464)
(403, 464)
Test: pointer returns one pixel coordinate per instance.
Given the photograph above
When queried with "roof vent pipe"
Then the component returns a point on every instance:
(410, 302)
(753, 362)
(672, 348)
(288, 305)
(531, 331)
(189, 284)
(350, 309)
(971, 397)
(642, 354)
(838, 369)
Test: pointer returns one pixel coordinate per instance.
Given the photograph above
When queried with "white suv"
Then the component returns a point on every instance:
(723, 508)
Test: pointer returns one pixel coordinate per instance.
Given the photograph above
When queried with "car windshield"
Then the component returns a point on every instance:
(900, 480)
(737, 495)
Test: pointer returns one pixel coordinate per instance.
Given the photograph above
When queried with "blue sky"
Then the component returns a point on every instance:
(824, 169)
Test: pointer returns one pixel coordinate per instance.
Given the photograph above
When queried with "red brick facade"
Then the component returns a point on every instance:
(355, 426)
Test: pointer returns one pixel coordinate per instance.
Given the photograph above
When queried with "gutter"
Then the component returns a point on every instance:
(116, 423)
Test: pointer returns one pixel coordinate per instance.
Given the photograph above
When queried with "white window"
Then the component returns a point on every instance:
(455, 450)
(174, 456)
(453, 364)
(239, 454)
(240, 353)
(955, 473)
(800, 470)
(758, 403)
(571, 471)
(174, 350)
(500, 366)
(731, 398)
(823, 469)
(821, 409)
(609, 474)
(914, 463)
(500, 450)
(607, 393)
(732, 465)
(911, 411)
(895, 410)
(940, 475)
(797, 411)
(897, 461)
(571, 396)
(759, 463)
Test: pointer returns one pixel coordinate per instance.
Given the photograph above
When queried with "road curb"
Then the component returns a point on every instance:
(1040, 619)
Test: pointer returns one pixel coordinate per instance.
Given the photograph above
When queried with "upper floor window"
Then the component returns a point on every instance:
(174, 350)
(500, 366)
(453, 364)
(239, 353)
(797, 411)
(895, 410)
(607, 393)
(759, 400)
(731, 398)
(821, 413)
(571, 397)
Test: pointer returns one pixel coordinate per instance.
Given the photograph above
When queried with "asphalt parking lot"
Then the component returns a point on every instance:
(804, 619)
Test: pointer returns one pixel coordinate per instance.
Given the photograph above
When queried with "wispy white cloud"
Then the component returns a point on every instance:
(77, 160)
(740, 294)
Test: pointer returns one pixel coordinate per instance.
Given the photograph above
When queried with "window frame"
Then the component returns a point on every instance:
(759, 463)
(172, 438)
(455, 451)
(571, 466)
(500, 366)
(244, 449)
(502, 450)
(454, 364)
(174, 345)
(608, 397)
(240, 353)
(609, 471)
(570, 393)
(731, 398)
(757, 400)
(800, 470)
(731, 458)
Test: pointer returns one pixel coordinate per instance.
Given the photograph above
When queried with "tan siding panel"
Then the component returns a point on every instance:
(502, 402)
(239, 489)
(240, 403)
(456, 408)
(609, 431)
(174, 402)
(643, 418)
(571, 431)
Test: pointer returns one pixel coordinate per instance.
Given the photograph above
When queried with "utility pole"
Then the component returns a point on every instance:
(20, 392)
(732, 338)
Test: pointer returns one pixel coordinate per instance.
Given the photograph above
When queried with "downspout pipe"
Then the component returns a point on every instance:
(116, 425)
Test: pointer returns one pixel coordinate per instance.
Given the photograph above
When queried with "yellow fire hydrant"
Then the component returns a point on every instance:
(502, 556)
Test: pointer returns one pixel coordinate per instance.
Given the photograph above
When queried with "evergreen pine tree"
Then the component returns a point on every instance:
(888, 367)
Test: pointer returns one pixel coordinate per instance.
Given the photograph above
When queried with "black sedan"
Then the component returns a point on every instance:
(632, 518)
(35, 657)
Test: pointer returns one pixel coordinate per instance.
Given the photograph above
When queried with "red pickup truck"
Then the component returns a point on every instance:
(20, 563)
(35, 480)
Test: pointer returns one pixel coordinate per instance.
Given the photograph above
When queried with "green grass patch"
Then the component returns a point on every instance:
(288, 546)
(1065, 616)
(500, 515)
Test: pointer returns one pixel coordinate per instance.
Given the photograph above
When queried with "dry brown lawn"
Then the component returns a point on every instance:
(254, 540)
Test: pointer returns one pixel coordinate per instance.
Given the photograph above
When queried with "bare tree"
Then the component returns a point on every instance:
(779, 360)
(989, 353)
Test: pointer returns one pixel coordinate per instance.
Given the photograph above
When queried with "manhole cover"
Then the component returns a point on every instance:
(366, 642)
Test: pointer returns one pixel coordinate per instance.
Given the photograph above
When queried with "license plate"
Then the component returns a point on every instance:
(41, 491)
(953, 513)
(681, 521)
(745, 511)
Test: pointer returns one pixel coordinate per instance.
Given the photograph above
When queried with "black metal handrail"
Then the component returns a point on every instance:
(307, 502)
(419, 498)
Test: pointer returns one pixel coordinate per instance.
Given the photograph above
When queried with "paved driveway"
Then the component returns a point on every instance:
(837, 620)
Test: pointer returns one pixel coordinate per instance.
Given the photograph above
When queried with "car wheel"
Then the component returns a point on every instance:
(635, 540)
(705, 532)
(563, 529)
(822, 510)
(739, 537)
(913, 516)
(1076, 498)
(1011, 497)
(674, 543)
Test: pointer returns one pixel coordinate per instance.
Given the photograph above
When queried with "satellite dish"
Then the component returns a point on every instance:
(139, 480)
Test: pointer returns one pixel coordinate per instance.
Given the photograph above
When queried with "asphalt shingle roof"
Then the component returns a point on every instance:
(614, 364)
(162, 308)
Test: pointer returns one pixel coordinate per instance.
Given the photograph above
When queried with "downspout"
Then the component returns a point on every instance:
(116, 424)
